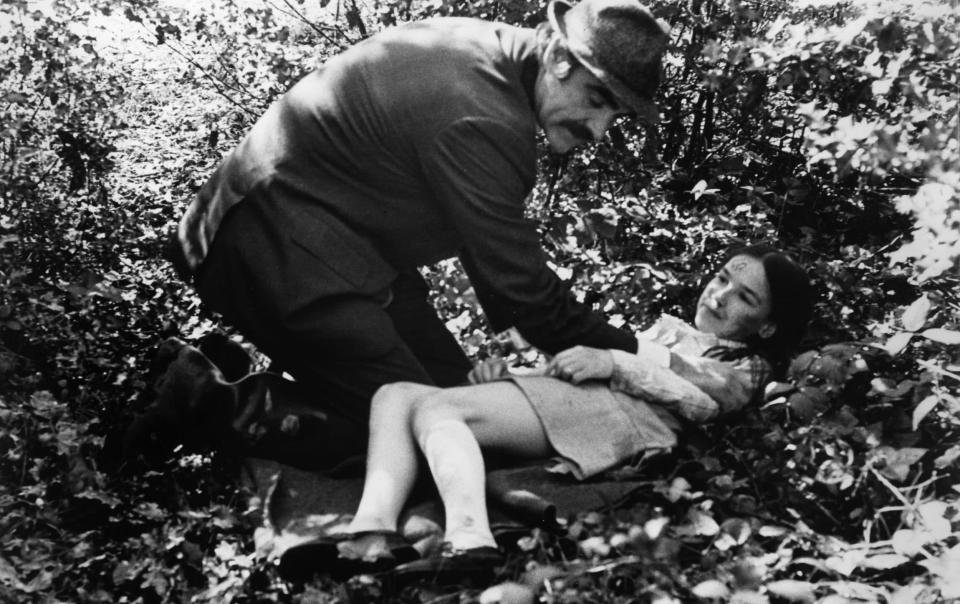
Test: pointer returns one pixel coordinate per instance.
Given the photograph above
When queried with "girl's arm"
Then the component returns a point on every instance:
(733, 384)
(659, 384)
(698, 388)
(646, 375)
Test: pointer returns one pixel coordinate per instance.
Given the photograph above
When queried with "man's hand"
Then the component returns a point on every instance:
(580, 363)
(490, 370)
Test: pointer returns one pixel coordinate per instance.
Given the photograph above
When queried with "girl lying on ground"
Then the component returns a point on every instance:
(591, 408)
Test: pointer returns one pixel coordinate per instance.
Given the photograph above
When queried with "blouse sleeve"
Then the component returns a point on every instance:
(697, 388)
(732, 384)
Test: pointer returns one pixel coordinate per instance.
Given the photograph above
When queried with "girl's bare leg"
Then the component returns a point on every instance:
(392, 457)
(451, 426)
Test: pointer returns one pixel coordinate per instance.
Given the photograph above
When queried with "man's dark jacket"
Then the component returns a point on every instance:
(415, 145)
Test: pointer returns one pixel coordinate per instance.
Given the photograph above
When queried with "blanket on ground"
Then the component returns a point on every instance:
(298, 505)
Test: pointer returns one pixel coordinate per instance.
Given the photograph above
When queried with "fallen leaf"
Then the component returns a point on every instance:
(898, 461)
(595, 547)
(738, 528)
(846, 562)
(923, 408)
(769, 530)
(884, 561)
(944, 565)
(794, 591)
(935, 518)
(807, 403)
(654, 527)
(916, 314)
(909, 542)
(897, 343)
(944, 336)
(948, 458)
(908, 594)
(8, 574)
(711, 589)
(507, 593)
(679, 487)
(748, 597)
(701, 523)
(854, 591)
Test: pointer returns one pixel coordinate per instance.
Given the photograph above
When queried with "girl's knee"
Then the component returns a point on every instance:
(429, 410)
(393, 403)
(399, 393)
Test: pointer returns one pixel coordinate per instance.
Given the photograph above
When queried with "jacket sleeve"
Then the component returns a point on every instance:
(481, 172)
(697, 388)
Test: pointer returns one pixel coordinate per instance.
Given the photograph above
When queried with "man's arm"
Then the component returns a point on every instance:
(481, 171)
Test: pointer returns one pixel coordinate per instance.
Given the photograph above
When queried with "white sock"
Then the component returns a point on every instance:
(455, 460)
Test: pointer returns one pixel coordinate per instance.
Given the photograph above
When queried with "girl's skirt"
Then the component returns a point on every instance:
(593, 428)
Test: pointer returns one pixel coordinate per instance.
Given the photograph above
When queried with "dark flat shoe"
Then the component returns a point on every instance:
(475, 566)
(322, 555)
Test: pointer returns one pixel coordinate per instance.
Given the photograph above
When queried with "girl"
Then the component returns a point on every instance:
(591, 408)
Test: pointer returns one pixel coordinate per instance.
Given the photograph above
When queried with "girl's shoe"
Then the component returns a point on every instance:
(476, 566)
(322, 555)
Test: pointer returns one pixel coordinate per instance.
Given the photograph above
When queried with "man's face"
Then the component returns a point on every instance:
(573, 106)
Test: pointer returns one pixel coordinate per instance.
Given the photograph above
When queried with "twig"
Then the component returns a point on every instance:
(238, 85)
(25, 436)
(219, 84)
(444, 598)
(886, 247)
(893, 489)
(870, 545)
(938, 370)
(314, 26)
(827, 513)
(608, 566)
(923, 484)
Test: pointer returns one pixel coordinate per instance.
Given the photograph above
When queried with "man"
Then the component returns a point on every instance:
(415, 145)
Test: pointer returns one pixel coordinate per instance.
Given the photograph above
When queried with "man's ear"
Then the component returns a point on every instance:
(558, 59)
(767, 330)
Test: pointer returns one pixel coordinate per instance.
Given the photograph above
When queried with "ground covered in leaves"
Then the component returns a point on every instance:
(828, 128)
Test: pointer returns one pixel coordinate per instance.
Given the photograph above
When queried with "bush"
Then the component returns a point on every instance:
(829, 129)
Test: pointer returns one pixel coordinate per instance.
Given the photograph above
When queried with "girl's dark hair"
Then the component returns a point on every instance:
(791, 304)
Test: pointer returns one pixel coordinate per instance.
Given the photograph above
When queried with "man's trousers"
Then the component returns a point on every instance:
(323, 305)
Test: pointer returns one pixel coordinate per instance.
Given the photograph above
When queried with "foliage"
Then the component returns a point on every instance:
(830, 128)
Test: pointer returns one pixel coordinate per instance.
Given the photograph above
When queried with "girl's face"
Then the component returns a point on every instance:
(736, 303)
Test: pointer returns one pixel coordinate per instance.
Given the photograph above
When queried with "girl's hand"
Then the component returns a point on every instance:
(581, 363)
(490, 370)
